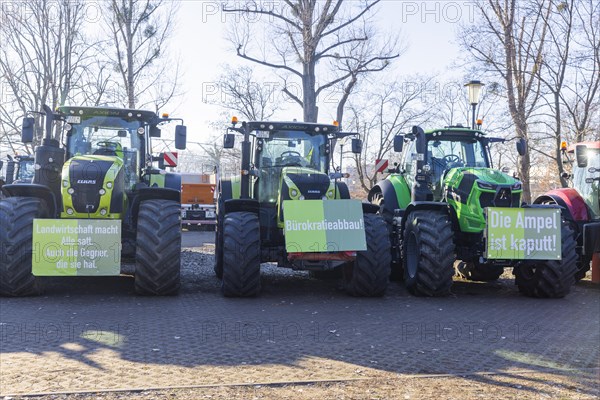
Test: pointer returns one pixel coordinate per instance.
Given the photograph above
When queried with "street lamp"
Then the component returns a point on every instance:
(474, 88)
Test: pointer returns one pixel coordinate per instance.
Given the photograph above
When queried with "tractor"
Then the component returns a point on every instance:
(438, 203)
(92, 201)
(581, 203)
(19, 169)
(286, 206)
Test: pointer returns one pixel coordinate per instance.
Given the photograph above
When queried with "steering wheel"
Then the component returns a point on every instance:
(290, 154)
(452, 158)
(292, 158)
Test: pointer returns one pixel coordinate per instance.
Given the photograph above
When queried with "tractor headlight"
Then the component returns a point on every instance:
(301, 198)
(70, 190)
(517, 186)
(65, 183)
(324, 198)
(109, 185)
(330, 194)
(102, 192)
(69, 211)
(486, 185)
(103, 211)
(293, 193)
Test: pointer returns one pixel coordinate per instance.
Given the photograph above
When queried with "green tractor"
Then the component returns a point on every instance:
(286, 207)
(438, 203)
(91, 202)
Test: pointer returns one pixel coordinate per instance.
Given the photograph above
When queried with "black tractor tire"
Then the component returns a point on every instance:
(218, 266)
(473, 271)
(550, 279)
(428, 253)
(396, 272)
(158, 248)
(241, 255)
(16, 234)
(368, 275)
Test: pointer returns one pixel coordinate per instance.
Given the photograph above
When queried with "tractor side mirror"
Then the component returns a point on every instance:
(27, 130)
(161, 161)
(154, 131)
(522, 147)
(581, 155)
(180, 137)
(398, 143)
(228, 141)
(356, 146)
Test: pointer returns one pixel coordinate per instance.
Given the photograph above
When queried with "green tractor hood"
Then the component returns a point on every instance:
(470, 190)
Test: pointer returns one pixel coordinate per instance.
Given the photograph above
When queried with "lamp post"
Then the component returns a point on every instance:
(474, 89)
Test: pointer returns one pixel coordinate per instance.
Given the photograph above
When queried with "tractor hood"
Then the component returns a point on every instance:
(92, 186)
(306, 182)
(469, 175)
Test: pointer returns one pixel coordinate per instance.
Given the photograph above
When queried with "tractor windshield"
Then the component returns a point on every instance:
(291, 148)
(590, 190)
(449, 152)
(275, 150)
(108, 136)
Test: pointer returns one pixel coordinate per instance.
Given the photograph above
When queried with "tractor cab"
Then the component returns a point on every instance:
(446, 149)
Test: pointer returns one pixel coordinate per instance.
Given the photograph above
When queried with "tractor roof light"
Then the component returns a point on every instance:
(336, 123)
(563, 145)
(165, 115)
(234, 120)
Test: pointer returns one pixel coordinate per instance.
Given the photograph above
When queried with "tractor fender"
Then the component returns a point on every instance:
(569, 199)
(234, 205)
(390, 199)
(425, 205)
(149, 193)
(41, 192)
(229, 197)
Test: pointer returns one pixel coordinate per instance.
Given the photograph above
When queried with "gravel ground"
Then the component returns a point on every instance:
(524, 386)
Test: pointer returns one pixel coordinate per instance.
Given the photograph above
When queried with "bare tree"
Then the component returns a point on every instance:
(510, 43)
(555, 66)
(323, 44)
(139, 31)
(581, 94)
(238, 90)
(390, 109)
(43, 59)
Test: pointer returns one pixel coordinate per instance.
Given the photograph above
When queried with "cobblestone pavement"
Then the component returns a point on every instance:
(95, 334)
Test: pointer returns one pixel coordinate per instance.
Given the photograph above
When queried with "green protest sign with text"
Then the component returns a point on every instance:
(523, 233)
(76, 247)
(323, 225)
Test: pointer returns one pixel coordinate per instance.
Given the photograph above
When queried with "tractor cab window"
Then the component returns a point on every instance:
(25, 171)
(409, 162)
(446, 153)
(275, 150)
(450, 152)
(589, 190)
(108, 136)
